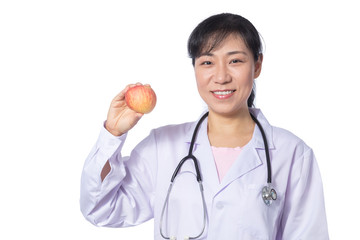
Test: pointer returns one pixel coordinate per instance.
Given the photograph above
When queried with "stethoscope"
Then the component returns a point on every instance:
(268, 193)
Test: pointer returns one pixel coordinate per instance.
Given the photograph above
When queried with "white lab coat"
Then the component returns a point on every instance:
(134, 190)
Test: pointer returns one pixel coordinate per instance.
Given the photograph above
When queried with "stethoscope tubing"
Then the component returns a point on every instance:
(268, 193)
(198, 178)
(166, 203)
(190, 154)
(267, 154)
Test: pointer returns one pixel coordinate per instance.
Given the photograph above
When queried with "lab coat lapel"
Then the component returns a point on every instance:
(253, 154)
(247, 161)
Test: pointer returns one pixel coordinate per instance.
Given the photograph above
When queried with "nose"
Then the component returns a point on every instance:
(222, 75)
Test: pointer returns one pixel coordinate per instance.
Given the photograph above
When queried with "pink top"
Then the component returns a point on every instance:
(224, 158)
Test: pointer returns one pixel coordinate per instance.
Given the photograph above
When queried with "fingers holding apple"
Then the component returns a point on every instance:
(128, 107)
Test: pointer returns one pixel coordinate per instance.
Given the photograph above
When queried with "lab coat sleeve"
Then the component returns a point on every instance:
(125, 197)
(304, 214)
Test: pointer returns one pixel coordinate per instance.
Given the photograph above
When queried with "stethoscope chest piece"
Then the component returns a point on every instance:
(269, 195)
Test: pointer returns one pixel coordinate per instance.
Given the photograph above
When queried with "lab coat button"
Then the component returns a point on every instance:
(219, 205)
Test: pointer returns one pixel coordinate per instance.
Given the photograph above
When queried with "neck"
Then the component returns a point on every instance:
(230, 131)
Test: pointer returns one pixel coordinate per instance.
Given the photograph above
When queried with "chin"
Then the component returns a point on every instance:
(227, 111)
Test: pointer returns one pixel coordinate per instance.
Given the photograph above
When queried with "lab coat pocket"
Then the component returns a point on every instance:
(253, 200)
(258, 220)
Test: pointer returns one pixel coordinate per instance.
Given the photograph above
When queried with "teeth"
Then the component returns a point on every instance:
(222, 92)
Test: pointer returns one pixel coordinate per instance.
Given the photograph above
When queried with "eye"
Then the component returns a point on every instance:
(236, 61)
(206, 63)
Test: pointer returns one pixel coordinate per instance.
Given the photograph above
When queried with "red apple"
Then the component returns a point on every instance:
(141, 98)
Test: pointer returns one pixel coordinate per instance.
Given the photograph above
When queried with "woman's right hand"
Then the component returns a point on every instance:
(121, 118)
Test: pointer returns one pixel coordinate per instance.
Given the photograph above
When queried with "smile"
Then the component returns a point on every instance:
(223, 94)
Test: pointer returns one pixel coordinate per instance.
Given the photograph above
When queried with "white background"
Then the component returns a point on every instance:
(61, 63)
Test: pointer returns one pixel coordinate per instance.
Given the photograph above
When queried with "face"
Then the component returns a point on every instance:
(225, 76)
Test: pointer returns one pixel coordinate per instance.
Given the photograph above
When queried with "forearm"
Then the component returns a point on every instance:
(110, 192)
(92, 186)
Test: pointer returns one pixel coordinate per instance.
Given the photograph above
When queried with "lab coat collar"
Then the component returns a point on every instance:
(251, 157)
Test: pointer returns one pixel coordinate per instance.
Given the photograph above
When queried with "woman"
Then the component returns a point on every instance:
(119, 191)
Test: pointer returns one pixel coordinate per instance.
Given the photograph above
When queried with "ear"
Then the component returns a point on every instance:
(258, 66)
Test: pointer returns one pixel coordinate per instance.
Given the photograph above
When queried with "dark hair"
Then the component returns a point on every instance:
(210, 33)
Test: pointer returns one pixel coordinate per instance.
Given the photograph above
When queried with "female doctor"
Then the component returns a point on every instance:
(231, 153)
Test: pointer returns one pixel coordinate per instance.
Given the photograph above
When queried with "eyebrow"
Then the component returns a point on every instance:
(237, 52)
(229, 53)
